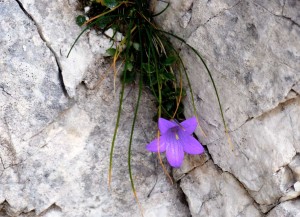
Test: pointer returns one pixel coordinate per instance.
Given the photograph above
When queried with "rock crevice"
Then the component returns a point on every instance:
(47, 44)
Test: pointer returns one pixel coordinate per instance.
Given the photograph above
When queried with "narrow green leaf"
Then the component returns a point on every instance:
(161, 11)
(207, 70)
(169, 60)
(110, 52)
(102, 22)
(147, 67)
(136, 46)
(85, 29)
(110, 3)
(130, 77)
(129, 66)
(167, 76)
(128, 35)
(115, 134)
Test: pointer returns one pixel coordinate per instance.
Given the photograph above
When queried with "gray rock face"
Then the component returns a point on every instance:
(54, 151)
(252, 49)
(31, 89)
(58, 114)
(289, 208)
(216, 193)
(58, 29)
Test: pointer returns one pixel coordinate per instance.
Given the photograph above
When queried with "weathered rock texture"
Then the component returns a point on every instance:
(54, 149)
(57, 115)
(252, 49)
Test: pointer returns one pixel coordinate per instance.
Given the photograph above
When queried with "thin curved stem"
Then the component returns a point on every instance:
(208, 71)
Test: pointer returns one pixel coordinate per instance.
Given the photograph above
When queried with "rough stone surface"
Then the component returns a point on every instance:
(252, 49)
(289, 208)
(54, 150)
(31, 89)
(295, 166)
(258, 147)
(217, 193)
(58, 114)
(59, 32)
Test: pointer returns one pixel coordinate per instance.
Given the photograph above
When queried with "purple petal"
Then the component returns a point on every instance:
(190, 144)
(189, 125)
(175, 154)
(164, 125)
(153, 146)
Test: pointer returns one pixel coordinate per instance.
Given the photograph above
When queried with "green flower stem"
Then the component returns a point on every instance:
(208, 71)
(134, 120)
(128, 37)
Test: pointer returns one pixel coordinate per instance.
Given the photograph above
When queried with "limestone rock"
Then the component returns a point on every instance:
(31, 90)
(217, 194)
(258, 147)
(59, 30)
(288, 208)
(295, 166)
(190, 162)
(252, 49)
(54, 151)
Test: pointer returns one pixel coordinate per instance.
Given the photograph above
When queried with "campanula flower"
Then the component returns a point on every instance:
(175, 139)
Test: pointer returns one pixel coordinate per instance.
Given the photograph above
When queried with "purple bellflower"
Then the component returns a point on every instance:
(175, 139)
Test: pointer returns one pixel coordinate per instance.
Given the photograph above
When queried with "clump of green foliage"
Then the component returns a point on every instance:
(150, 60)
(148, 55)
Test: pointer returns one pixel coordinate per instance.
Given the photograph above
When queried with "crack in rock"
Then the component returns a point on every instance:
(7, 210)
(54, 208)
(280, 16)
(209, 157)
(215, 194)
(41, 131)
(280, 104)
(49, 47)
(240, 183)
(3, 90)
(287, 185)
(211, 18)
(249, 119)
(221, 13)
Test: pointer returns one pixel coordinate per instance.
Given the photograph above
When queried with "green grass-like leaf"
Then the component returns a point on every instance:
(110, 3)
(207, 70)
(128, 37)
(133, 125)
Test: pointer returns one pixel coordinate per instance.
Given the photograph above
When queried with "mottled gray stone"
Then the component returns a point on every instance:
(252, 49)
(263, 146)
(190, 162)
(60, 31)
(294, 165)
(296, 88)
(211, 192)
(54, 151)
(31, 93)
(253, 62)
(288, 9)
(286, 209)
